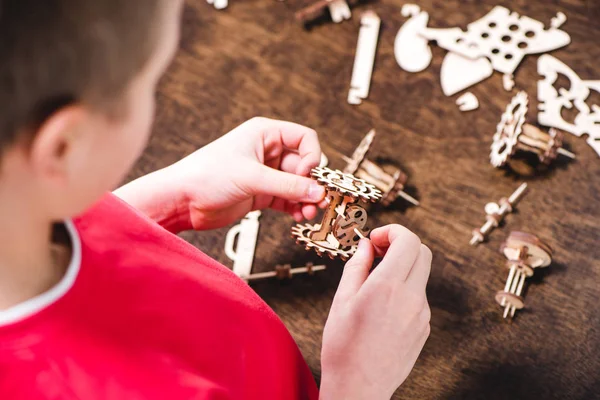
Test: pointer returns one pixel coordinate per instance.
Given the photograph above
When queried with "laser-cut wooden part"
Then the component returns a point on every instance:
(389, 179)
(513, 134)
(218, 4)
(315, 10)
(467, 102)
(287, 272)
(246, 233)
(524, 252)
(495, 214)
(412, 50)
(552, 101)
(339, 10)
(346, 226)
(364, 58)
(459, 73)
(508, 82)
(503, 36)
(498, 41)
(343, 191)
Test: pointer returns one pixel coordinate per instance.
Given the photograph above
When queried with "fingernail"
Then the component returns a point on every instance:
(316, 192)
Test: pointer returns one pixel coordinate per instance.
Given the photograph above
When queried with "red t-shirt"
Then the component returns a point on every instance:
(148, 316)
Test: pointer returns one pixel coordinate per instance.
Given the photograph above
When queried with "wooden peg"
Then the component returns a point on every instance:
(513, 134)
(495, 214)
(524, 252)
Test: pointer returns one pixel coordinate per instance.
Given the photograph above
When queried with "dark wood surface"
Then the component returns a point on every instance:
(254, 59)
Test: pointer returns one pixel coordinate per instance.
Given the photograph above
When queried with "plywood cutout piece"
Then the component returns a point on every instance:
(459, 73)
(552, 101)
(246, 233)
(467, 102)
(339, 10)
(502, 36)
(365, 57)
(218, 4)
(412, 50)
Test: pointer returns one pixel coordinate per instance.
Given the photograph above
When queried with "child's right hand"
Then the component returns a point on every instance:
(378, 322)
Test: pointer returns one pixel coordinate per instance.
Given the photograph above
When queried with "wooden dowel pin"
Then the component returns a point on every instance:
(496, 212)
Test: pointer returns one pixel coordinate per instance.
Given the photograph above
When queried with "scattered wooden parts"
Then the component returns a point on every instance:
(338, 9)
(364, 58)
(508, 82)
(498, 41)
(513, 134)
(286, 271)
(218, 4)
(524, 252)
(495, 214)
(467, 102)
(246, 233)
(346, 197)
(552, 101)
(389, 179)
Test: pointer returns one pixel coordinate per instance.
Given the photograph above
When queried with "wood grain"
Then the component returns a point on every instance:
(255, 59)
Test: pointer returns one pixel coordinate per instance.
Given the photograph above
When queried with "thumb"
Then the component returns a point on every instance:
(289, 186)
(356, 271)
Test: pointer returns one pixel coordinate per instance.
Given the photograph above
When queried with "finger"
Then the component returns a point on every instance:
(356, 272)
(419, 274)
(287, 186)
(309, 211)
(290, 162)
(295, 137)
(401, 248)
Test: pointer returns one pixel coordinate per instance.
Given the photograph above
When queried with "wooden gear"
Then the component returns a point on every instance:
(340, 229)
(514, 134)
(389, 179)
(495, 213)
(525, 252)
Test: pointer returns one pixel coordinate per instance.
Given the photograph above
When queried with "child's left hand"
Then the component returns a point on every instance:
(261, 164)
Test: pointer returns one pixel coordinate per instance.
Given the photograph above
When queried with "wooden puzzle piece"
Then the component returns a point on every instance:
(364, 58)
(467, 102)
(552, 101)
(246, 233)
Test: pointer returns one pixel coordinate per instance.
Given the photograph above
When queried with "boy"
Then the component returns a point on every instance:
(97, 299)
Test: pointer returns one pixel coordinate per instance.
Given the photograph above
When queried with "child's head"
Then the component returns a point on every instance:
(77, 83)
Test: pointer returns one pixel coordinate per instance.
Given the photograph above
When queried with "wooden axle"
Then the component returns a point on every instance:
(495, 214)
(286, 272)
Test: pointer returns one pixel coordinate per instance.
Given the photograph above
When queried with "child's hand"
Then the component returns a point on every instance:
(261, 164)
(378, 322)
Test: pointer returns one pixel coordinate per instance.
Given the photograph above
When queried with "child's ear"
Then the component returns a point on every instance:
(55, 141)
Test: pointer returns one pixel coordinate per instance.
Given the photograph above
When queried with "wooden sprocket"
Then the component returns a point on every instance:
(346, 184)
(302, 232)
(509, 129)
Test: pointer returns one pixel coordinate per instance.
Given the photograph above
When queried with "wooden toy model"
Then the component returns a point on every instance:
(496, 213)
(514, 134)
(345, 218)
(525, 252)
(389, 179)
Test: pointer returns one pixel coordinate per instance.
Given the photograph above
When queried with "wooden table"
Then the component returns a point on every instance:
(254, 59)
